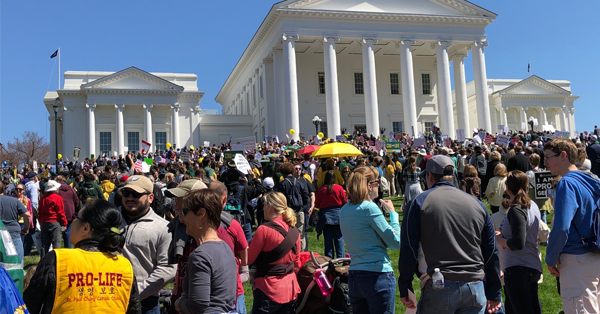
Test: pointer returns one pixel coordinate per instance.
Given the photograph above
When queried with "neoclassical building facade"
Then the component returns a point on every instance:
(378, 65)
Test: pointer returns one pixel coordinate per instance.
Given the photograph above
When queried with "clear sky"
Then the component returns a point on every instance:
(560, 38)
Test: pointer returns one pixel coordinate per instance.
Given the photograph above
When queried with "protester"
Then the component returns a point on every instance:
(411, 176)
(390, 174)
(52, 218)
(59, 285)
(89, 189)
(518, 238)
(297, 196)
(367, 235)
(471, 183)
(330, 199)
(577, 196)
(27, 239)
(496, 187)
(274, 252)
(11, 210)
(456, 235)
(519, 161)
(71, 204)
(209, 285)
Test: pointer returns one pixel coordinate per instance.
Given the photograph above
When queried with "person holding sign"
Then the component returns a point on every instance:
(90, 278)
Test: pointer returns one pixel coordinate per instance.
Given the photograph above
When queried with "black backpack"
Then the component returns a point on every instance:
(295, 197)
(340, 299)
(480, 163)
(234, 201)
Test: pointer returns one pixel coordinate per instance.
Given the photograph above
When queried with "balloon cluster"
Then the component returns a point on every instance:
(168, 145)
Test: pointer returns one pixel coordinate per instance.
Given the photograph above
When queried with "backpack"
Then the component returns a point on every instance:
(87, 192)
(384, 185)
(234, 201)
(480, 164)
(340, 298)
(295, 197)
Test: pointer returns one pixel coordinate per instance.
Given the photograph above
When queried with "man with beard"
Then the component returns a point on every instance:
(146, 242)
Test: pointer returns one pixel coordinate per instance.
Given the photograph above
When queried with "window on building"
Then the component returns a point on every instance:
(361, 128)
(133, 141)
(321, 79)
(323, 129)
(394, 84)
(397, 127)
(428, 126)
(359, 87)
(161, 140)
(426, 83)
(261, 87)
(105, 143)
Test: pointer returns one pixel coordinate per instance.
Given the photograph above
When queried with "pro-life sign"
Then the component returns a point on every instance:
(543, 182)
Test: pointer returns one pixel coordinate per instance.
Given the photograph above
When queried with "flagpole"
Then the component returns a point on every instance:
(59, 67)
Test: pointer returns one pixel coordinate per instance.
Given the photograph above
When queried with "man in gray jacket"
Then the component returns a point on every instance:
(146, 242)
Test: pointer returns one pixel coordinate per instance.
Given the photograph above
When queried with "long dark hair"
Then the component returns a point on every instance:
(329, 180)
(103, 218)
(517, 183)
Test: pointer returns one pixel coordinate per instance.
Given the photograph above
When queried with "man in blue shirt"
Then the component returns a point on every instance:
(577, 196)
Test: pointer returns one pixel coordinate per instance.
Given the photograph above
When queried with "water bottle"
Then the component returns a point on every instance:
(323, 282)
(437, 279)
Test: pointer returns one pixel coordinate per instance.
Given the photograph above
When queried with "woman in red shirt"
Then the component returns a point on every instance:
(274, 252)
(329, 200)
(52, 217)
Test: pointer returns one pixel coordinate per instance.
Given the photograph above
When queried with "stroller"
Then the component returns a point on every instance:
(311, 300)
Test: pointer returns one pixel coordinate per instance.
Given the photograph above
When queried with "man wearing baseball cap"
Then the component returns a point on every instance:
(457, 236)
(146, 241)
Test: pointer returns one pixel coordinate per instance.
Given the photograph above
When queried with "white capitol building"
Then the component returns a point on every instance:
(358, 65)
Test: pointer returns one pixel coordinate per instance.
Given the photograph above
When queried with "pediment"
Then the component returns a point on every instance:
(132, 78)
(534, 85)
(409, 7)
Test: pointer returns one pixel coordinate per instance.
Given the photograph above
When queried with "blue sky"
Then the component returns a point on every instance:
(560, 38)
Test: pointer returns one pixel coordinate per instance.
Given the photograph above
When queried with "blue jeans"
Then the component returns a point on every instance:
(247, 227)
(240, 305)
(19, 247)
(66, 236)
(372, 292)
(543, 214)
(465, 297)
(263, 305)
(333, 238)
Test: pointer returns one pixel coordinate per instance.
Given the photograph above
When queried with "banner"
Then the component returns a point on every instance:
(185, 156)
(392, 146)
(502, 140)
(242, 164)
(419, 142)
(460, 135)
(249, 142)
(340, 138)
(230, 154)
(76, 151)
(237, 147)
(145, 147)
(543, 182)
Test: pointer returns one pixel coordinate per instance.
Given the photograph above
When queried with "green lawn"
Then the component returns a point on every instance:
(549, 298)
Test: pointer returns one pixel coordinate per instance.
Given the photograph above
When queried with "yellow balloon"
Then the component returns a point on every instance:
(321, 135)
(168, 145)
(59, 156)
(192, 147)
(292, 132)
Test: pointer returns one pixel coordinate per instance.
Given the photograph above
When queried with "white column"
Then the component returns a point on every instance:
(524, 118)
(194, 136)
(332, 97)
(175, 116)
(572, 121)
(504, 117)
(460, 90)
(148, 123)
(53, 139)
(563, 119)
(370, 86)
(279, 94)
(481, 88)
(446, 114)
(291, 84)
(91, 111)
(120, 129)
(409, 103)
(543, 118)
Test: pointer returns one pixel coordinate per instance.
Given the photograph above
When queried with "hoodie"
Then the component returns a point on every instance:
(107, 187)
(578, 196)
(70, 199)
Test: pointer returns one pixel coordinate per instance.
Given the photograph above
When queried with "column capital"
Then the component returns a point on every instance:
(147, 107)
(287, 37)
(406, 42)
(459, 55)
(90, 106)
(195, 109)
(175, 106)
(120, 106)
(331, 39)
(544, 108)
(443, 43)
(366, 40)
(478, 44)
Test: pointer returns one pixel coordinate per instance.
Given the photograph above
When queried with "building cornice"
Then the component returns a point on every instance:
(129, 91)
(536, 80)
(132, 71)
(534, 96)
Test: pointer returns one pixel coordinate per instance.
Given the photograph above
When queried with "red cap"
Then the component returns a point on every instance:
(124, 178)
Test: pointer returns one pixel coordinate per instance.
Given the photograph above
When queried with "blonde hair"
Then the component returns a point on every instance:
(358, 184)
(495, 155)
(278, 201)
(500, 170)
(169, 177)
(534, 159)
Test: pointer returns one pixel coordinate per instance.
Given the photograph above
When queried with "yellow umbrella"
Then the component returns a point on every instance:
(336, 150)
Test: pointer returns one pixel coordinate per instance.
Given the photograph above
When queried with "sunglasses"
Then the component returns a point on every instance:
(376, 181)
(298, 168)
(127, 193)
(18, 189)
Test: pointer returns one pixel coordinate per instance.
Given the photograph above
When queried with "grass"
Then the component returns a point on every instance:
(549, 298)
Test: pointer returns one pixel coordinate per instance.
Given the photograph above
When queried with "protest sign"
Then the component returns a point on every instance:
(543, 182)
(460, 135)
(230, 154)
(126, 149)
(420, 134)
(76, 151)
(558, 134)
(500, 127)
(371, 143)
(489, 139)
(145, 167)
(419, 142)
(258, 156)
(514, 140)
(524, 125)
(535, 121)
(380, 144)
(566, 134)
(398, 136)
(206, 144)
(392, 146)
(239, 147)
(482, 135)
(506, 129)
(340, 138)
(145, 147)
(185, 156)
(249, 142)
(138, 165)
(447, 142)
(242, 164)
(502, 140)
(149, 161)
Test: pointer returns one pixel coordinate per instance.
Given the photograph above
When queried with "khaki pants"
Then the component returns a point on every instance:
(300, 226)
(579, 290)
(390, 178)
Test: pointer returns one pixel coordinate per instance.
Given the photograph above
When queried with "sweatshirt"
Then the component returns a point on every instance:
(52, 209)
(578, 195)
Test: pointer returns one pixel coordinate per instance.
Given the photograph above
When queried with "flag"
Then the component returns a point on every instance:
(529, 68)
(145, 147)
(54, 54)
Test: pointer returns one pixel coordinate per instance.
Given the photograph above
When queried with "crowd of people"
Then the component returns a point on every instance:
(111, 237)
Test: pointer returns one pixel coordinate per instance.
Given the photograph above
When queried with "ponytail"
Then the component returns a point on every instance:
(278, 201)
(289, 217)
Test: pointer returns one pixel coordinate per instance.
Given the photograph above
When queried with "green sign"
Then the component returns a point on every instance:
(392, 146)
(230, 155)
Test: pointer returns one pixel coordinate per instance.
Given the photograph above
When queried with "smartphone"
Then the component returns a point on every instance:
(384, 207)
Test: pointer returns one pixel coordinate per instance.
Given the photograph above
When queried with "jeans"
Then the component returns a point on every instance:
(51, 234)
(465, 297)
(372, 292)
(150, 305)
(240, 305)
(19, 247)
(333, 238)
(262, 304)
(521, 289)
(28, 242)
(543, 214)
(247, 227)
(66, 236)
